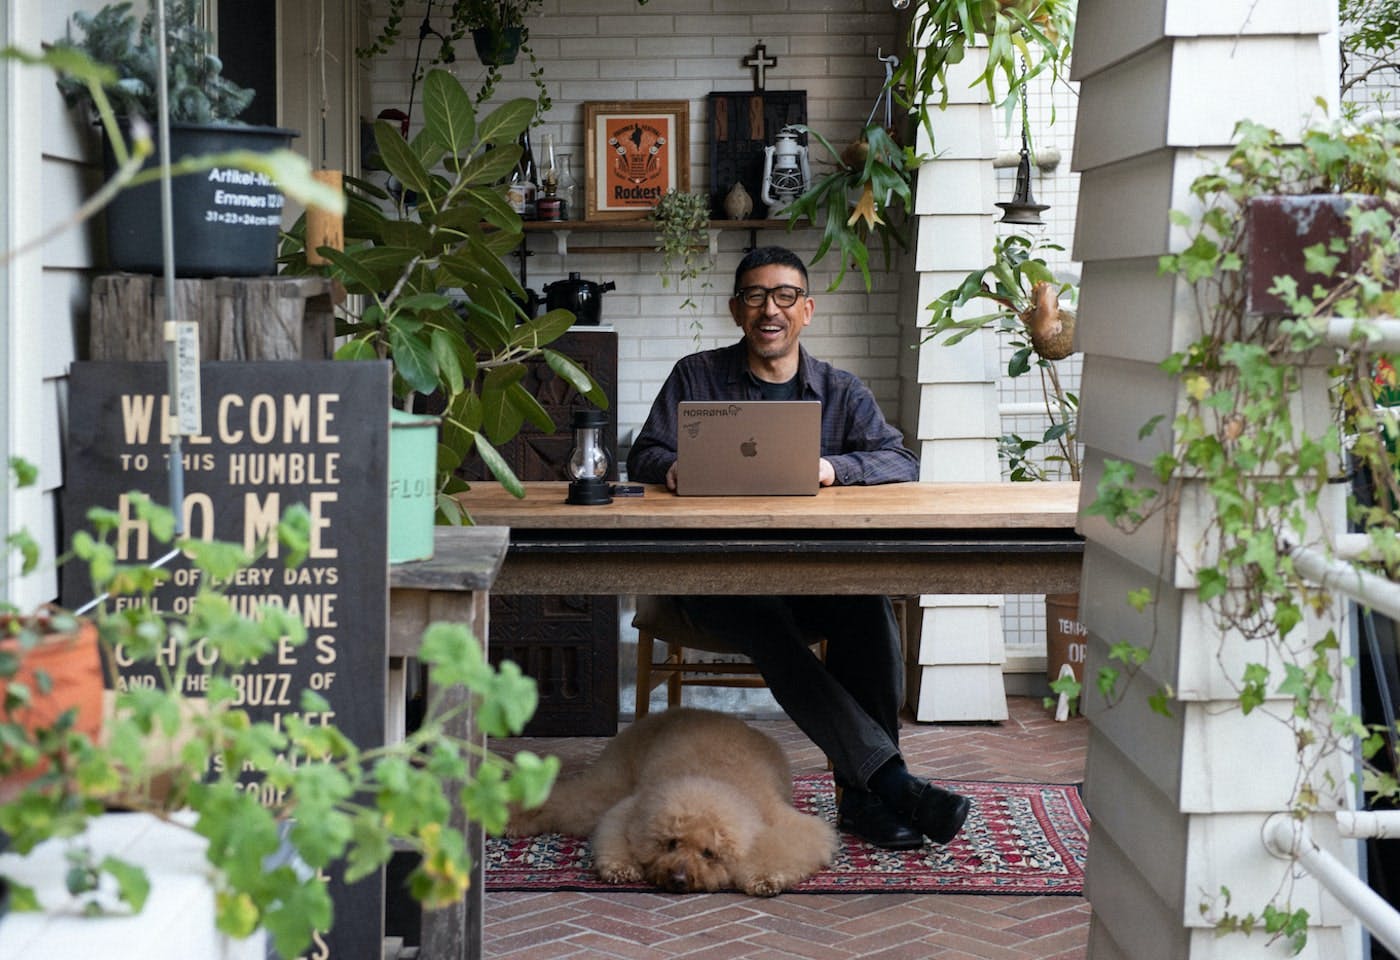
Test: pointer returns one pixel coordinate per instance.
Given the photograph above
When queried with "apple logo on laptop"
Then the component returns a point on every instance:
(749, 448)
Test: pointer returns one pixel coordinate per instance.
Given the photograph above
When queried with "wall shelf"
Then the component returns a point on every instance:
(561, 229)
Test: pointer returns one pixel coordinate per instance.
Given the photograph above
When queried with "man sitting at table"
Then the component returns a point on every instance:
(849, 706)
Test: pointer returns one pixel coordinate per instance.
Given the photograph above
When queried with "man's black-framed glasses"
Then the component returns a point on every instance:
(783, 296)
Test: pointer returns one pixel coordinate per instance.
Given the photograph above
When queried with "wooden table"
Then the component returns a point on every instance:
(902, 538)
(453, 586)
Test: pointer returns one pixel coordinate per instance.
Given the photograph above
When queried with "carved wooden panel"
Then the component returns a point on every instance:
(535, 455)
(568, 644)
(742, 123)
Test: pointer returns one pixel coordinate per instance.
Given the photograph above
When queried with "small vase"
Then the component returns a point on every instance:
(737, 202)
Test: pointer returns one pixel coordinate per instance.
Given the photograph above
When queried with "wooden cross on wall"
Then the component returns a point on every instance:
(760, 62)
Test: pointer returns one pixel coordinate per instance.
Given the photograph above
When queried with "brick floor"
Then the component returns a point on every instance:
(1030, 746)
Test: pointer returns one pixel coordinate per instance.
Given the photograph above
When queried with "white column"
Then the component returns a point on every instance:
(1178, 803)
(957, 673)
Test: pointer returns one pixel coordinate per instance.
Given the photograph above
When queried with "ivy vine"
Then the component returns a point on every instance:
(1263, 465)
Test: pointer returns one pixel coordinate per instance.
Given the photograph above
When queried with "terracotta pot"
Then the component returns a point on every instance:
(71, 668)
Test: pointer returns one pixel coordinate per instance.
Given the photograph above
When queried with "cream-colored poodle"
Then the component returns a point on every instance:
(689, 800)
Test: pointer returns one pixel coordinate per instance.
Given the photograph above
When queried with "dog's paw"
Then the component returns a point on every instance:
(618, 871)
(765, 886)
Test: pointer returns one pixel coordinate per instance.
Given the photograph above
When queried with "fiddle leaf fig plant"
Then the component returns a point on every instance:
(438, 298)
(1266, 462)
(161, 751)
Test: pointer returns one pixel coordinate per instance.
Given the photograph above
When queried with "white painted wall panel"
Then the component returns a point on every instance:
(951, 185)
(1130, 101)
(1125, 810)
(958, 410)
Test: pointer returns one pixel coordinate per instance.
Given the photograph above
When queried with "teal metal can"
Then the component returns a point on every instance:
(412, 472)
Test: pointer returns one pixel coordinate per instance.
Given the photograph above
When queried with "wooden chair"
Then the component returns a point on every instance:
(659, 620)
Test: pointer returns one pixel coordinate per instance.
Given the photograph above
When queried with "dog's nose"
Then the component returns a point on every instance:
(678, 879)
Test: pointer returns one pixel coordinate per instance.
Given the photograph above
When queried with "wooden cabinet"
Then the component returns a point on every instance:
(552, 638)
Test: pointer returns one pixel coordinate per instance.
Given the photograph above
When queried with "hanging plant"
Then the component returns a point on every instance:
(683, 240)
(1026, 298)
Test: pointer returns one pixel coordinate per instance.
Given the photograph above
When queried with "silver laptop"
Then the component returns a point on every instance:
(748, 447)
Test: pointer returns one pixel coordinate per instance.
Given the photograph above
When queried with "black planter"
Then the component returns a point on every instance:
(497, 48)
(225, 220)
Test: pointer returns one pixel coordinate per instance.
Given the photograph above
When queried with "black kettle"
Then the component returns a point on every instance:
(582, 298)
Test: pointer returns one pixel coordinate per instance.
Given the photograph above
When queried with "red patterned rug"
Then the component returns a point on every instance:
(1020, 838)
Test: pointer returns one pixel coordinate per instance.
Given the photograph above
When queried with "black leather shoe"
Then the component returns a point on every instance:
(937, 813)
(862, 814)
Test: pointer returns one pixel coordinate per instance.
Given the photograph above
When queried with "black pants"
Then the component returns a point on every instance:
(849, 706)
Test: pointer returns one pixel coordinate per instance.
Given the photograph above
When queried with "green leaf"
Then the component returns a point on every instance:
(413, 360)
(499, 468)
(448, 112)
(577, 377)
(133, 886)
(444, 347)
(400, 159)
(507, 121)
(352, 272)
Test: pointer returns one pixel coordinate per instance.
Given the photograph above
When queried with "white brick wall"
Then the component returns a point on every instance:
(617, 50)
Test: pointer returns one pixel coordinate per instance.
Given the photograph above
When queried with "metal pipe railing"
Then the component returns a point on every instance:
(1384, 334)
(1362, 586)
(1291, 839)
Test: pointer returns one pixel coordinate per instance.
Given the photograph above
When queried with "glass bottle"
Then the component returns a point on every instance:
(549, 170)
(524, 182)
(567, 188)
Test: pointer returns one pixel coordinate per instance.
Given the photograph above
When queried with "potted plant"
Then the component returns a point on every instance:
(226, 221)
(460, 355)
(337, 802)
(867, 189)
(1027, 307)
(683, 240)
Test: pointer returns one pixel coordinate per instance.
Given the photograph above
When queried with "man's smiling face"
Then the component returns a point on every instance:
(770, 329)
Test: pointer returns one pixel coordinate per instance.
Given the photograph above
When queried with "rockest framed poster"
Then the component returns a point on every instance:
(634, 152)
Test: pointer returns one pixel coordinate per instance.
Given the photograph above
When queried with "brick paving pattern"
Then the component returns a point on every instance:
(1030, 746)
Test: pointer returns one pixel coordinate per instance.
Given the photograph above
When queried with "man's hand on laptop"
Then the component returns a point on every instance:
(826, 472)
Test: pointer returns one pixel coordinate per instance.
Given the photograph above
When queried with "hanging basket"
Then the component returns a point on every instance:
(225, 220)
(497, 48)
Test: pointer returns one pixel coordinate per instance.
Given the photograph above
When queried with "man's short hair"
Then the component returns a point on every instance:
(767, 256)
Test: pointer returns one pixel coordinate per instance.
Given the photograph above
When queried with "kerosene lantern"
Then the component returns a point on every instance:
(589, 460)
(785, 172)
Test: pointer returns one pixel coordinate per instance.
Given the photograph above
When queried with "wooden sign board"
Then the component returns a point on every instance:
(274, 434)
(742, 123)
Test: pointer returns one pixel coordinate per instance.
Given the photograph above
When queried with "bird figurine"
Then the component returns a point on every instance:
(737, 202)
(1051, 328)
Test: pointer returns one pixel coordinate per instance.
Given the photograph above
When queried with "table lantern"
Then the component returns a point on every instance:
(589, 460)
(785, 171)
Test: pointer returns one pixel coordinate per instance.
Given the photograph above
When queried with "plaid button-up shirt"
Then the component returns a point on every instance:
(861, 446)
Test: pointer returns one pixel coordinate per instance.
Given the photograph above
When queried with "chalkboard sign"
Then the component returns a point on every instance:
(274, 434)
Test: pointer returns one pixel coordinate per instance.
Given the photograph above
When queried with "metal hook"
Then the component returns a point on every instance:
(886, 92)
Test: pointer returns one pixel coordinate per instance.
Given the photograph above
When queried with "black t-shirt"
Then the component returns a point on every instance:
(787, 390)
